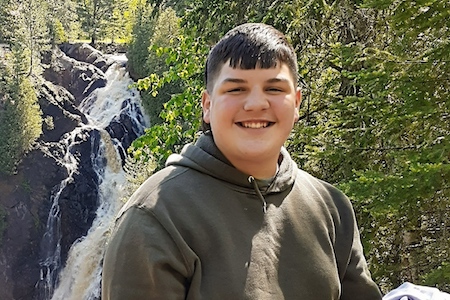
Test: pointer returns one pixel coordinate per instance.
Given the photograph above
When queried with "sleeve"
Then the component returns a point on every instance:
(357, 282)
(142, 261)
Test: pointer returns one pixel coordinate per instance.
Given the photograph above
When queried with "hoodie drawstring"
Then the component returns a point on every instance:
(252, 180)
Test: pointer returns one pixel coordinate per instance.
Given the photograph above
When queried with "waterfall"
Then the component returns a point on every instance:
(50, 245)
(80, 276)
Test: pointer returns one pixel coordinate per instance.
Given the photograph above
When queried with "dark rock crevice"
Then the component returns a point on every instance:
(26, 197)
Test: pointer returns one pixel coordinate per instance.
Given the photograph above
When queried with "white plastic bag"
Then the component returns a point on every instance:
(409, 291)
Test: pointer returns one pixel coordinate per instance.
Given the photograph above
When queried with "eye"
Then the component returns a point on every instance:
(235, 90)
(275, 90)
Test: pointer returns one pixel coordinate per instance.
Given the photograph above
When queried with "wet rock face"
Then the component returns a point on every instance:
(78, 201)
(26, 206)
(86, 53)
(79, 78)
(29, 206)
(26, 197)
(59, 111)
(121, 129)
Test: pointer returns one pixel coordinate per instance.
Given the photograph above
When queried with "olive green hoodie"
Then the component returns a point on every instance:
(201, 229)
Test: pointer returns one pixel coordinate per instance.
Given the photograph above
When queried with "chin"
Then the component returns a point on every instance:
(260, 152)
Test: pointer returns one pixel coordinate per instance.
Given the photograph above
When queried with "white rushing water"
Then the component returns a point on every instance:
(81, 276)
(51, 241)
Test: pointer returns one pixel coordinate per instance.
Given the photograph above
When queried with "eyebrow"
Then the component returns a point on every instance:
(239, 80)
(282, 79)
(234, 80)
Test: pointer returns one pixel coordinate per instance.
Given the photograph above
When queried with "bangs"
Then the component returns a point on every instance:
(250, 46)
(247, 56)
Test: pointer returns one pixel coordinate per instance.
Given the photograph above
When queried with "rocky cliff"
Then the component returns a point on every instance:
(27, 198)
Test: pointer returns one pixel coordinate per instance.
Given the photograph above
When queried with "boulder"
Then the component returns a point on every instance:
(79, 78)
(85, 53)
(58, 109)
(123, 130)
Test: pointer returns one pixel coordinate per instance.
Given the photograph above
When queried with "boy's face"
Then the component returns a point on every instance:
(251, 113)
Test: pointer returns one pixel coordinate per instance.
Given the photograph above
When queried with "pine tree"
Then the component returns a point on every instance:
(94, 16)
(20, 115)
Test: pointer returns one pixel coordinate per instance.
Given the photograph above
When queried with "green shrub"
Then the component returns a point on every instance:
(439, 277)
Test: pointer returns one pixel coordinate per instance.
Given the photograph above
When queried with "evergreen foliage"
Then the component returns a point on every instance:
(57, 32)
(142, 31)
(95, 16)
(20, 115)
(165, 34)
(63, 21)
(150, 32)
(25, 27)
(374, 124)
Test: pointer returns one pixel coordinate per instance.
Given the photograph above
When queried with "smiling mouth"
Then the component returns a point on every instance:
(255, 125)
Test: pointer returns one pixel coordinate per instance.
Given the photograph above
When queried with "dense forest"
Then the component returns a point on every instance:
(375, 77)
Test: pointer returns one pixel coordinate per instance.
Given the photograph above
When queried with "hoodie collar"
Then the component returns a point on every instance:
(205, 157)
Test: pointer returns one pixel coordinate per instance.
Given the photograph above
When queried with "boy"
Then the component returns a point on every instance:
(232, 217)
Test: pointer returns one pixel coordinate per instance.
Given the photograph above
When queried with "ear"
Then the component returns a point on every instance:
(298, 101)
(206, 105)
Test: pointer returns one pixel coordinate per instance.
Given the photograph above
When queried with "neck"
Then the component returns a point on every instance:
(257, 169)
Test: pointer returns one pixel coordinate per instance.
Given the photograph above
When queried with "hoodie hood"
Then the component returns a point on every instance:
(205, 157)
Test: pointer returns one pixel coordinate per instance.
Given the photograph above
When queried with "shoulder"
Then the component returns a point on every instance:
(329, 204)
(167, 180)
(335, 209)
(332, 196)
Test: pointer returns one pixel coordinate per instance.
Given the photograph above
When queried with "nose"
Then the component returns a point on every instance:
(256, 100)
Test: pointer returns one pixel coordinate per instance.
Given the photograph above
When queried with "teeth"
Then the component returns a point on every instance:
(255, 125)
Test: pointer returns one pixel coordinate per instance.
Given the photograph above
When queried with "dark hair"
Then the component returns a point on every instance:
(249, 46)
